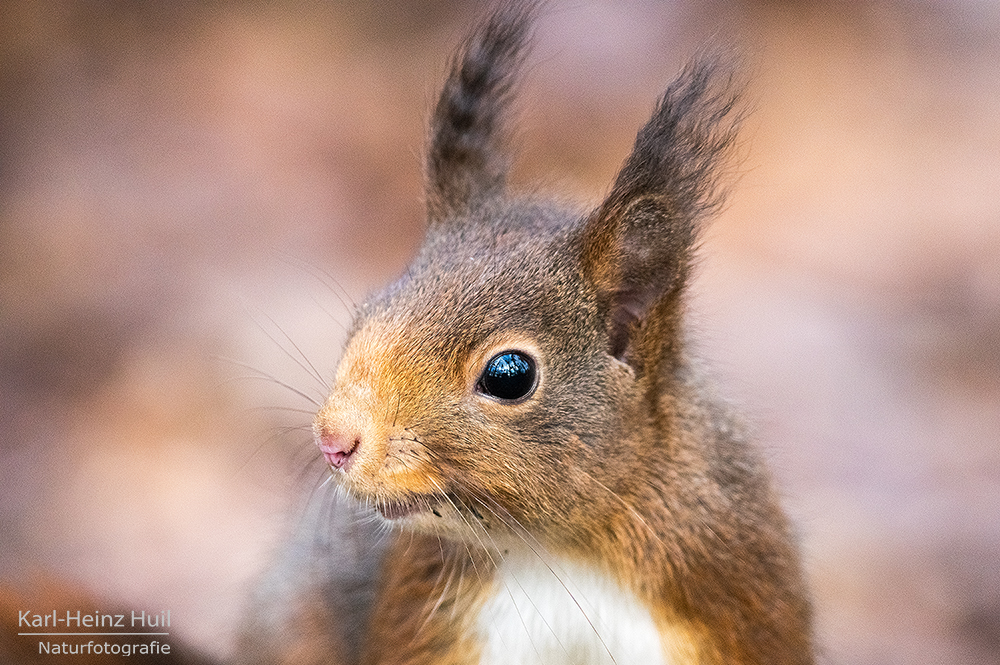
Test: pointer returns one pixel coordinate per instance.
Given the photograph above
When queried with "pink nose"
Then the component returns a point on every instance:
(338, 450)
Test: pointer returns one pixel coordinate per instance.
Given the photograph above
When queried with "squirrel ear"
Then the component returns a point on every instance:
(465, 159)
(637, 246)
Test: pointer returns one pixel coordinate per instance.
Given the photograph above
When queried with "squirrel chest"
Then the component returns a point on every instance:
(553, 612)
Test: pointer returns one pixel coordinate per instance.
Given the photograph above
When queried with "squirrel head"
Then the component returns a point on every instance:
(527, 356)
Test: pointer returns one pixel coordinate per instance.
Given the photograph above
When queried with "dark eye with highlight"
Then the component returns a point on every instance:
(508, 376)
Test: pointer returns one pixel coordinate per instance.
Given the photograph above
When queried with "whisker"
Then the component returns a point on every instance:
(301, 360)
(276, 434)
(722, 541)
(330, 315)
(489, 555)
(444, 591)
(524, 534)
(289, 409)
(309, 366)
(507, 588)
(461, 578)
(627, 505)
(310, 466)
(396, 415)
(262, 375)
(318, 273)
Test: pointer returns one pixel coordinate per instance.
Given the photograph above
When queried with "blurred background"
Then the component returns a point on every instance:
(191, 193)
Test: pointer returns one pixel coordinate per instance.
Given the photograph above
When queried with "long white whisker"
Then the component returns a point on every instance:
(336, 321)
(262, 375)
(527, 595)
(487, 552)
(334, 284)
(444, 591)
(302, 360)
(627, 505)
(522, 533)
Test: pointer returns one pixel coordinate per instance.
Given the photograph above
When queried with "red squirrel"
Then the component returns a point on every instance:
(527, 463)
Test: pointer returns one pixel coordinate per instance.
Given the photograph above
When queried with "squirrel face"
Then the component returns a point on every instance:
(477, 392)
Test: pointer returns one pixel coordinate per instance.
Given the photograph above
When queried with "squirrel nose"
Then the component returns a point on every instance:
(338, 449)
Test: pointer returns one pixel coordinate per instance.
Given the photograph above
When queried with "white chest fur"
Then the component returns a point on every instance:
(561, 614)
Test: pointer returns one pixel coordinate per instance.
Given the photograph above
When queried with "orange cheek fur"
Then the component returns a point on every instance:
(372, 402)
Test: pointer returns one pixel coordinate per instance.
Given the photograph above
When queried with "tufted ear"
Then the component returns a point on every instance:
(466, 161)
(637, 246)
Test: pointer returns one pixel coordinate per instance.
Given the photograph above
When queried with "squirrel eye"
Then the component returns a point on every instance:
(508, 376)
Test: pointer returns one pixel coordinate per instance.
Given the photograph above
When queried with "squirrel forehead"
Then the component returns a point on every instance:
(471, 279)
(502, 231)
(499, 276)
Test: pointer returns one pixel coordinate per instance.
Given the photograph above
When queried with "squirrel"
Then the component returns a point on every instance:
(530, 467)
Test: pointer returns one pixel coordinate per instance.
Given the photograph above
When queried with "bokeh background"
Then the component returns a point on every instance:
(191, 191)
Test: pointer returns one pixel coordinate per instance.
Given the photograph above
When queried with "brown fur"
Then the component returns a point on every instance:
(405, 627)
(621, 458)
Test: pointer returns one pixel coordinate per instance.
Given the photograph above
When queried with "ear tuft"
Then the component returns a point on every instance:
(466, 161)
(637, 246)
